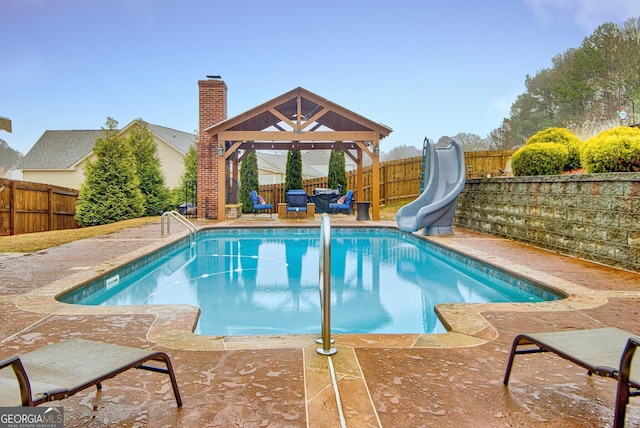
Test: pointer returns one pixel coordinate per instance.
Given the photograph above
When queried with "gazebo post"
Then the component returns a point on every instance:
(223, 159)
(375, 175)
(222, 185)
(236, 174)
(375, 180)
(359, 175)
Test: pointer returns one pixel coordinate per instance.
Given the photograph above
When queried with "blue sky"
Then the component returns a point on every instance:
(424, 68)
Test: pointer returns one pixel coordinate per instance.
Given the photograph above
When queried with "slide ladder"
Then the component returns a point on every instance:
(425, 158)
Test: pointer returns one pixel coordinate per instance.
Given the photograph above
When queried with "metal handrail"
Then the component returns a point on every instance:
(325, 285)
(175, 214)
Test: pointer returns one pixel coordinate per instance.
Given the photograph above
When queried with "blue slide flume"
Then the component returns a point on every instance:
(434, 209)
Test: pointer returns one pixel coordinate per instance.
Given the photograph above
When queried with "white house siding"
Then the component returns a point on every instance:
(71, 178)
(171, 159)
(270, 177)
(171, 163)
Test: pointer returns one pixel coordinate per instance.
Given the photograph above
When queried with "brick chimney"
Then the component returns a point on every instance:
(212, 109)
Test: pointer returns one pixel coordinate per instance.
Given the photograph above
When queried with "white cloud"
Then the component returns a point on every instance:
(587, 14)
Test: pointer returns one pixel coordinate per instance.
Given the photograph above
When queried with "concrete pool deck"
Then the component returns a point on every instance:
(453, 379)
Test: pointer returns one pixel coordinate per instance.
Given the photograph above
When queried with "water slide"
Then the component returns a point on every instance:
(445, 176)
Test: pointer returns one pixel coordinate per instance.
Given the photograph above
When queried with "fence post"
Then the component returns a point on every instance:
(49, 208)
(12, 209)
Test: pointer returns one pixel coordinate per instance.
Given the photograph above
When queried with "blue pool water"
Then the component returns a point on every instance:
(265, 281)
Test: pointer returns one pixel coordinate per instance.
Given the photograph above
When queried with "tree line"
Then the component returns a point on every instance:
(587, 89)
(584, 90)
(8, 157)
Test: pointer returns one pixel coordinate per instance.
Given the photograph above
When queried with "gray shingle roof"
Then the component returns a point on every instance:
(180, 140)
(59, 149)
(62, 149)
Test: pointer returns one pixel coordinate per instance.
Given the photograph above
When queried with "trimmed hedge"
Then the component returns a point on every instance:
(540, 159)
(614, 150)
(561, 136)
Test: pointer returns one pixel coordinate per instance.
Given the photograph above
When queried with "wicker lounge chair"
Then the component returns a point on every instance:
(607, 352)
(63, 369)
(296, 202)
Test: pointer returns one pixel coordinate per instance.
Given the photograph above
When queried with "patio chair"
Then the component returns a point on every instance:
(607, 352)
(343, 205)
(58, 371)
(296, 202)
(260, 205)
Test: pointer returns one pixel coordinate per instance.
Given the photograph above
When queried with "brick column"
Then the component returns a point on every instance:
(212, 109)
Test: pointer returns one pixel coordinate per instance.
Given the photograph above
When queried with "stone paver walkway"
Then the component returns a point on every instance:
(450, 380)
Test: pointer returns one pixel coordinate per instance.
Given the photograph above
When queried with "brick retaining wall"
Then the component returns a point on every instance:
(591, 216)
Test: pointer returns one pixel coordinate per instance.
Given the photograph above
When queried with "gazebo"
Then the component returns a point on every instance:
(298, 119)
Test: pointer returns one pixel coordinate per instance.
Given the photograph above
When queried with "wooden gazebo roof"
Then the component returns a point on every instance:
(300, 119)
(299, 115)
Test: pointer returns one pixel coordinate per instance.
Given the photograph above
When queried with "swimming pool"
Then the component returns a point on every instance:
(265, 281)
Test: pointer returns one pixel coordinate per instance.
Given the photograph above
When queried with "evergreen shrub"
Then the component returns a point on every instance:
(539, 159)
(157, 197)
(249, 180)
(110, 190)
(293, 173)
(561, 136)
(614, 150)
(337, 175)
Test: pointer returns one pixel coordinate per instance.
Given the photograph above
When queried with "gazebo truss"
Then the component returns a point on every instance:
(298, 119)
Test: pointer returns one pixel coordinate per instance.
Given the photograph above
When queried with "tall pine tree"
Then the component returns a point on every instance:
(337, 170)
(110, 190)
(248, 180)
(185, 193)
(144, 149)
(293, 174)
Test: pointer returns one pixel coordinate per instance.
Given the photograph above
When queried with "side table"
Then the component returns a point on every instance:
(363, 210)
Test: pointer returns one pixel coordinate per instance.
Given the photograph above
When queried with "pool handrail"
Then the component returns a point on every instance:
(325, 286)
(175, 214)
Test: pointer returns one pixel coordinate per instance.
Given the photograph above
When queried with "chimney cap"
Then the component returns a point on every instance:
(213, 76)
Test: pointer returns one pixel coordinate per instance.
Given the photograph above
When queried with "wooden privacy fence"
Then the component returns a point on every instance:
(27, 207)
(494, 163)
(400, 179)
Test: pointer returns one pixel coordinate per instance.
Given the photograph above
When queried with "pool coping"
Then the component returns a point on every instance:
(173, 325)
